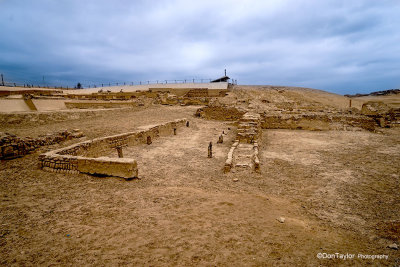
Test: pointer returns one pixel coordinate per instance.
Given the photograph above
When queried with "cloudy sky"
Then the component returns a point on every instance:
(337, 45)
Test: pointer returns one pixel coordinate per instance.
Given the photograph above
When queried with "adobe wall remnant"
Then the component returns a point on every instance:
(166, 96)
(317, 121)
(36, 92)
(12, 146)
(125, 168)
(86, 157)
(219, 113)
(101, 104)
(384, 115)
(244, 151)
(43, 117)
(112, 95)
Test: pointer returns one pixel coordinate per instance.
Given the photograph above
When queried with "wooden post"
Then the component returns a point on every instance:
(174, 131)
(349, 103)
(210, 150)
(187, 124)
(2, 79)
(119, 150)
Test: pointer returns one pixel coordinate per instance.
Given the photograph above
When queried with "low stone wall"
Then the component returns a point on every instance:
(86, 157)
(49, 116)
(219, 113)
(244, 151)
(384, 115)
(112, 95)
(229, 160)
(12, 146)
(317, 122)
(102, 104)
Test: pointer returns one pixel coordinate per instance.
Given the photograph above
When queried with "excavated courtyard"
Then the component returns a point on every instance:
(337, 191)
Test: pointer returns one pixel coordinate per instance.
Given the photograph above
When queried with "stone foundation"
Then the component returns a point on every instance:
(219, 113)
(317, 121)
(244, 151)
(101, 104)
(44, 117)
(12, 146)
(85, 157)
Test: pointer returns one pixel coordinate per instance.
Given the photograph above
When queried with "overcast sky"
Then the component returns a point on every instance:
(340, 46)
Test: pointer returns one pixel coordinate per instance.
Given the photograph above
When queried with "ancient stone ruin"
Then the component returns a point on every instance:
(12, 146)
(384, 115)
(244, 151)
(86, 157)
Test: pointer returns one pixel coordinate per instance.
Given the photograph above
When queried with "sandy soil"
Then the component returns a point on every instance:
(284, 97)
(338, 192)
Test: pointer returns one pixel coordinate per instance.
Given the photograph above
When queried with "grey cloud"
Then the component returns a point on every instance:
(341, 46)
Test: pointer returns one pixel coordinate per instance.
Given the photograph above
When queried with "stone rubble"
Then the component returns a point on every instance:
(12, 146)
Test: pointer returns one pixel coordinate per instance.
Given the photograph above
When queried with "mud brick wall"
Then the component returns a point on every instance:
(86, 157)
(49, 116)
(12, 146)
(249, 128)
(65, 164)
(93, 105)
(317, 121)
(195, 101)
(112, 95)
(198, 92)
(219, 113)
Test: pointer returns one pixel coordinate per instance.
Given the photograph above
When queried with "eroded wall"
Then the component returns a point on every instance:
(86, 157)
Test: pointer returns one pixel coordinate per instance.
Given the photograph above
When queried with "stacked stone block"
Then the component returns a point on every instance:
(12, 146)
(85, 157)
(244, 151)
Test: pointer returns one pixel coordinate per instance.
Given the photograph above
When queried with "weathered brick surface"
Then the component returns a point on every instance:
(12, 146)
(86, 157)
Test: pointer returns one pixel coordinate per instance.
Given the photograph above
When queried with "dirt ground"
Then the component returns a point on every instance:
(337, 190)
